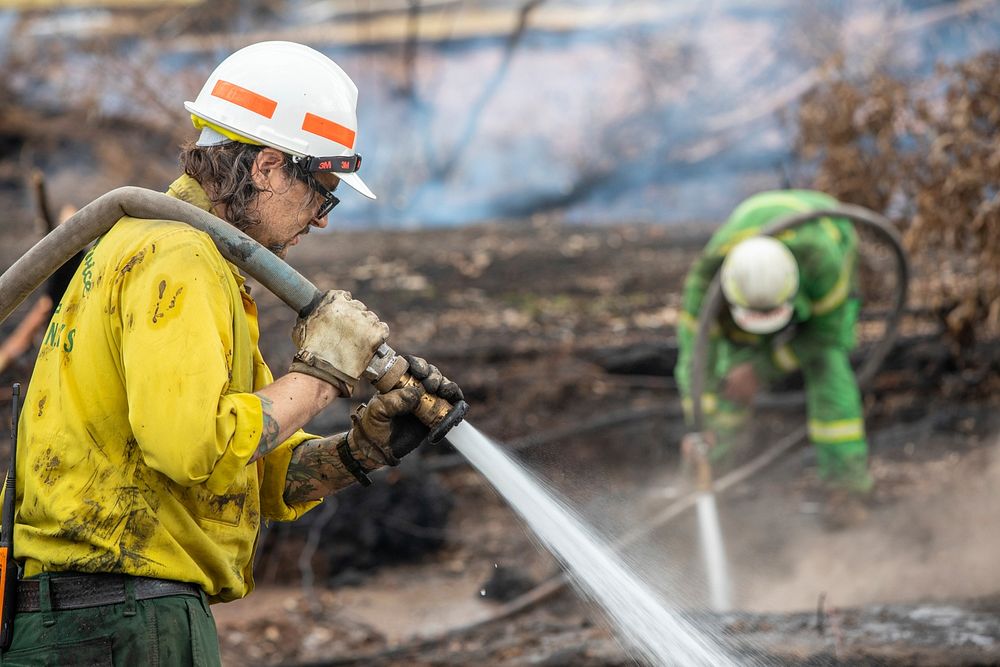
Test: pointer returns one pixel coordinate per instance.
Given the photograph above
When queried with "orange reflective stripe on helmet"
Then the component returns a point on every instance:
(328, 129)
(242, 97)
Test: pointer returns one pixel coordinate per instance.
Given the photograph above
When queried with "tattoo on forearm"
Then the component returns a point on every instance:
(269, 436)
(302, 484)
(315, 471)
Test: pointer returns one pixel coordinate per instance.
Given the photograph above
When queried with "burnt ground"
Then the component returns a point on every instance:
(563, 340)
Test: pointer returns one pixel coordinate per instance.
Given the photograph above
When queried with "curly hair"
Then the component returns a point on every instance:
(226, 173)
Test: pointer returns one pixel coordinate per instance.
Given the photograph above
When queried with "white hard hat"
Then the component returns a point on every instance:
(287, 96)
(759, 280)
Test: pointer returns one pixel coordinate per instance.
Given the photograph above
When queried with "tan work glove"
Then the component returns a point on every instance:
(337, 340)
(385, 430)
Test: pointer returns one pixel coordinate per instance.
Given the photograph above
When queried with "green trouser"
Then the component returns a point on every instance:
(174, 630)
(836, 426)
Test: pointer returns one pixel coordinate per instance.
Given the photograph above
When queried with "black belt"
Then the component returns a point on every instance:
(79, 591)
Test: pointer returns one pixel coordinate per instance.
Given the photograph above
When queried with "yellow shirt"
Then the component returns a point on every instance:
(140, 417)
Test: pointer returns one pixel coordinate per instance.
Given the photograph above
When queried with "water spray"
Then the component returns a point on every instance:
(712, 546)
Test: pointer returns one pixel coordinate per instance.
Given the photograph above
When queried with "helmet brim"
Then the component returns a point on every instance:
(355, 182)
(762, 321)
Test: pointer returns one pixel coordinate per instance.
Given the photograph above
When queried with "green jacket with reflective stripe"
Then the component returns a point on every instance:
(825, 250)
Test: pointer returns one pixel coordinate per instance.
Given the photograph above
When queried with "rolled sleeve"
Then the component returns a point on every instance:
(272, 490)
(239, 423)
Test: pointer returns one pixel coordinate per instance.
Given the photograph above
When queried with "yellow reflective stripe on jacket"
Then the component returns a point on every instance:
(737, 237)
(785, 359)
(740, 336)
(728, 420)
(831, 229)
(709, 404)
(689, 323)
(840, 290)
(842, 430)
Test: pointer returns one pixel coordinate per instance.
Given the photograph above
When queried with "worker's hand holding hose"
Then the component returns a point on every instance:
(433, 381)
(336, 341)
(741, 384)
(697, 445)
(385, 429)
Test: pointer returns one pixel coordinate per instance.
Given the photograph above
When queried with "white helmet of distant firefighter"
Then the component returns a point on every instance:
(759, 280)
(287, 96)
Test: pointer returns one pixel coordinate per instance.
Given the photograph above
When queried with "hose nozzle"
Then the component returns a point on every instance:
(698, 451)
(387, 371)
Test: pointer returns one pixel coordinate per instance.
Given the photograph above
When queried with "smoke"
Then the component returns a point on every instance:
(934, 536)
(634, 120)
(599, 111)
(932, 532)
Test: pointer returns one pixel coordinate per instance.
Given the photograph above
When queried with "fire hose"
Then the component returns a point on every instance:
(387, 370)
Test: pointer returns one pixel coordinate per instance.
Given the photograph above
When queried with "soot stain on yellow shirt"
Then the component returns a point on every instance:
(161, 311)
(132, 262)
(46, 465)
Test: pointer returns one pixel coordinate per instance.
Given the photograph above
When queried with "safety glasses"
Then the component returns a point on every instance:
(330, 200)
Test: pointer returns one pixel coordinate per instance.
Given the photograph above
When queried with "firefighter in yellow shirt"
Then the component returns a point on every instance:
(154, 439)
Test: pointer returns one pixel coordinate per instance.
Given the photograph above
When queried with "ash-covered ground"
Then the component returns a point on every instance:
(563, 339)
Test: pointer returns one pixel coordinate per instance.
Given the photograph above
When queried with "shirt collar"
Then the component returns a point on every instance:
(188, 189)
